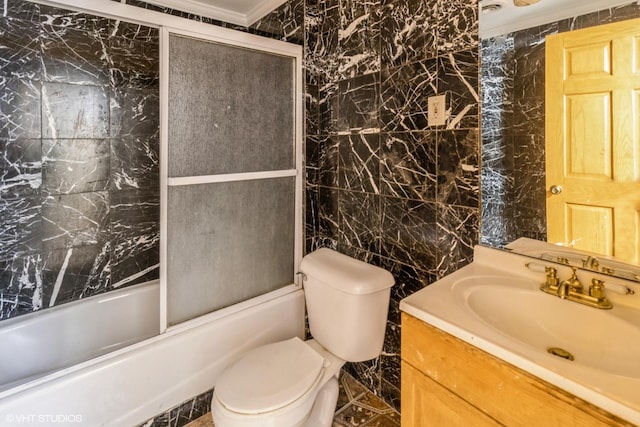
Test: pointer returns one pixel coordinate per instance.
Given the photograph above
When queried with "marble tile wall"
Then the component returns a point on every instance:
(79, 199)
(513, 160)
(382, 185)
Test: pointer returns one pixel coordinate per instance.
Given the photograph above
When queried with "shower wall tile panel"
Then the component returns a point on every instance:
(79, 177)
(228, 130)
(513, 117)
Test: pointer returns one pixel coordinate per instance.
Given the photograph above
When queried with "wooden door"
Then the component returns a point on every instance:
(592, 139)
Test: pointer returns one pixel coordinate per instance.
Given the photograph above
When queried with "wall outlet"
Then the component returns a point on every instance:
(436, 110)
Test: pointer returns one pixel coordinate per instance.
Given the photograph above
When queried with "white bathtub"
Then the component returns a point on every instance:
(127, 386)
(39, 343)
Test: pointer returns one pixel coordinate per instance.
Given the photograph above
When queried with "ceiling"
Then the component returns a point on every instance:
(511, 18)
(240, 12)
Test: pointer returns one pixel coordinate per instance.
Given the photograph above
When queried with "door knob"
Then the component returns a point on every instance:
(556, 189)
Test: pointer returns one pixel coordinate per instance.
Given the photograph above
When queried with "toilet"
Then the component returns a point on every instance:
(294, 383)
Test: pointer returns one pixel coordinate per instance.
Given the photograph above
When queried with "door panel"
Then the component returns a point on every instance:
(592, 139)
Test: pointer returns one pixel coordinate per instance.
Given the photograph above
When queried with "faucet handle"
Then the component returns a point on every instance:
(596, 289)
(552, 276)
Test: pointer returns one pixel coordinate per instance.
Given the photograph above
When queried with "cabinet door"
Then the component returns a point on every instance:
(426, 403)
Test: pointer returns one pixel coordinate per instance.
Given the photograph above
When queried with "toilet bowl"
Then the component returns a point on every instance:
(289, 383)
(294, 383)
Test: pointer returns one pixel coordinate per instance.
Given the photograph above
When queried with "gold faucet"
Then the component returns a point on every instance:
(569, 286)
(572, 290)
(591, 263)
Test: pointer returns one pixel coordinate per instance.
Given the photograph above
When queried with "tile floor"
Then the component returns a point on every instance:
(357, 407)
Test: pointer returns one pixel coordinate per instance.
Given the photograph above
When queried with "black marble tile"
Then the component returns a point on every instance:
(20, 55)
(359, 165)
(408, 280)
(21, 9)
(404, 95)
(458, 81)
(21, 285)
(359, 38)
(184, 413)
(408, 32)
(321, 56)
(458, 167)
(21, 226)
(359, 215)
(311, 227)
(59, 19)
(498, 227)
(19, 108)
(74, 273)
(390, 393)
(135, 162)
(328, 108)
(408, 168)
(135, 236)
(328, 208)
(458, 229)
(582, 21)
(20, 168)
(131, 31)
(312, 109)
(134, 113)
(325, 14)
(75, 56)
(457, 24)
(285, 23)
(620, 13)
(390, 356)
(366, 373)
(74, 220)
(409, 232)
(322, 242)
(529, 71)
(75, 165)
(74, 111)
(358, 100)
(528, 116)
(322, 160)
(135, 59)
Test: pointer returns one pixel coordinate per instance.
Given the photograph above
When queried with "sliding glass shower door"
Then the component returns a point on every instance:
(232, 174)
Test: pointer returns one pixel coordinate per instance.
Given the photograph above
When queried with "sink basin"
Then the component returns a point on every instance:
(595, 338)
(495, 304)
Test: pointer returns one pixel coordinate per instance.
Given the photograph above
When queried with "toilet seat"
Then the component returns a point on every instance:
(270, 377)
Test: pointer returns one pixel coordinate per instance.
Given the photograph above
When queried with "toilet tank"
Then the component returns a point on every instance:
(347, 303)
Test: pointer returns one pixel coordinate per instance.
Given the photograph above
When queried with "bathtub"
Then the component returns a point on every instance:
(39, 343)
(100, 362)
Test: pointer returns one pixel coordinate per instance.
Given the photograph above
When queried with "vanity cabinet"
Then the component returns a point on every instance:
(447, 382)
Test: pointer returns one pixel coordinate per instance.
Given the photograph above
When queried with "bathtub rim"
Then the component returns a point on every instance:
(105, 296)
(170, 332)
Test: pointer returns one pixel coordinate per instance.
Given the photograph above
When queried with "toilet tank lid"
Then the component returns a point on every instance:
(344, 273)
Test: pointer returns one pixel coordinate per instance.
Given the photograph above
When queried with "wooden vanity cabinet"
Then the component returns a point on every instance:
(447, 382)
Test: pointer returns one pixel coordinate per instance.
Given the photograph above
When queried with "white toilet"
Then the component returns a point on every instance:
(294, 383)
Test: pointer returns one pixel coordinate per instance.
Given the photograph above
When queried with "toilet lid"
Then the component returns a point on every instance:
(269, 377)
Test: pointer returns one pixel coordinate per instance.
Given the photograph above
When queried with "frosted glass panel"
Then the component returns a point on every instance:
(231, 109)
(227, 242)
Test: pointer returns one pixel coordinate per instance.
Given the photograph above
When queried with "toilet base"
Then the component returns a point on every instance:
(324, 406)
